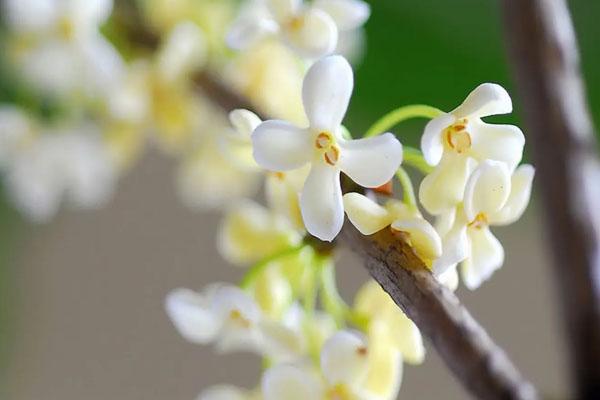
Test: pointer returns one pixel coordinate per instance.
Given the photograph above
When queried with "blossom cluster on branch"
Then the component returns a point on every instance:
(110, 98)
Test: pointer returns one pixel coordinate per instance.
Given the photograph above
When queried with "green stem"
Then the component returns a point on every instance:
(408, 192)
(414, 158)
(333, 303)
(255, 270)
(393, 118)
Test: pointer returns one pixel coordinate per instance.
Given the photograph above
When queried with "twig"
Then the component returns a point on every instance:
(545, 58)
(481, 366)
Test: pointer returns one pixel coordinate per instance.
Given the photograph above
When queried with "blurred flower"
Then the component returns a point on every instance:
(453, 142)
(281, 146)
(492, 197)
(228, 392)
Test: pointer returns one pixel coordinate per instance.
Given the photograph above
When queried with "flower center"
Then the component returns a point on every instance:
(457, 137)
(325, 145)
(236, 316)
(295, 23)
(338, 392)
(480, 221)
(66, 28)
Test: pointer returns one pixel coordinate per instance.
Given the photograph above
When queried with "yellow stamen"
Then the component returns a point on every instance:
(479, 222)
(338, 392)
(332, 155)
(237, 317)
(457, 137)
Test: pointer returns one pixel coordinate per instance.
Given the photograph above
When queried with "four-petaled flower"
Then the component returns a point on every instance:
(281, 146)
(455, 141)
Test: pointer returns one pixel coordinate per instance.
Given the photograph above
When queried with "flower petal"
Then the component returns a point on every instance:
(423, 237)
(385, 373)
(284, 9)
(365, 214)
(184, 50)
(487, 255)
(347, 14)
(190, 313)
(244, 121)
(312, 34)
(486, 99)
(223, 392)
(371, 162)
(444, 188)
(321, 202)
(248, 30)
(344, 358)
(431, 141)
(455, 246)
(326, 93)
(487, 189)
(518, 200)
(291, 382)
(449, 278)
(497, 142)
(281, 146)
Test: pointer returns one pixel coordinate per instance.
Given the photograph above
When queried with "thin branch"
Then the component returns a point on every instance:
(479, 364)
(545, 58)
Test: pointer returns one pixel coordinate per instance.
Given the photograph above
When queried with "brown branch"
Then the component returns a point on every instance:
(544, 52)
(479, 364)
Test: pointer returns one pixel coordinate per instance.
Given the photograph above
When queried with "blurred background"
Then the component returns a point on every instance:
(81, 297)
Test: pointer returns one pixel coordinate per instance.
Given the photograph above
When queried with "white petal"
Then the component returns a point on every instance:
(184, 51)
(281, 146)
(281, 343)
(371, 162)
(190, 313)
(486, 99)
(347, 14)
(291, 382)
(423, 237)
(326, 93)
(30, 15)
(104, 67)
(313, 34)
(487, 189)
(432, 145)
(321, 202)
(247, 31)
(90, 12)
(365, 214)
(344, 358)
(444, 188)
(487, 255)
(455, 247)
(449, 278)
(497, 142)
(385, 373)
(518, 200)
(244, 121)
(223, 392)
(15, 127)
(284, 9)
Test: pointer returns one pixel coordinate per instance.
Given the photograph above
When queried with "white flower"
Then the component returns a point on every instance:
(492, 197)
(183, 51)
(16, 130)
(350, 368)
(369, 217)
(227, 392)
(73, 164)
(310, 29)
(453, 142)
(281, 146)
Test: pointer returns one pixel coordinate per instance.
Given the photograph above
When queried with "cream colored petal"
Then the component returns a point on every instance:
(282, 10)
(365, 214)
(281, 146)
(432, 145)
(422, 236)
(223, 392)
(321, 202)
(347, 14)
(371, 162)
(247, 31)
(272, 292)
(312, 34)
(455, 246)
(90, 13)
(282, 191)
(244, 121)
(326, 93)
(487, 189)
(384, 376)
(497, 142)
(344, 358)
(449, 278)
(30, 15)
(291, 382)
(443, 189)
(518, 200)
(190, 313)
(281, 343)
(487, 255)
(486, 99)
(184, 51)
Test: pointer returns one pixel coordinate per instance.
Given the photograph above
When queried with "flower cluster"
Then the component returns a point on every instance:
(112, 97)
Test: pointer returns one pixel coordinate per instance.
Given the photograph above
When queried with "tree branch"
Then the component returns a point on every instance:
(545, 58)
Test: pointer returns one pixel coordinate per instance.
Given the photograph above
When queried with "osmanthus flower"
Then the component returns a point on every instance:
(456, 141)
(280, 146)
(59, 45)
(387, 324)
(311, 29)
(493, 197)
(16, 131)
(350, 368)
(229, 392)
